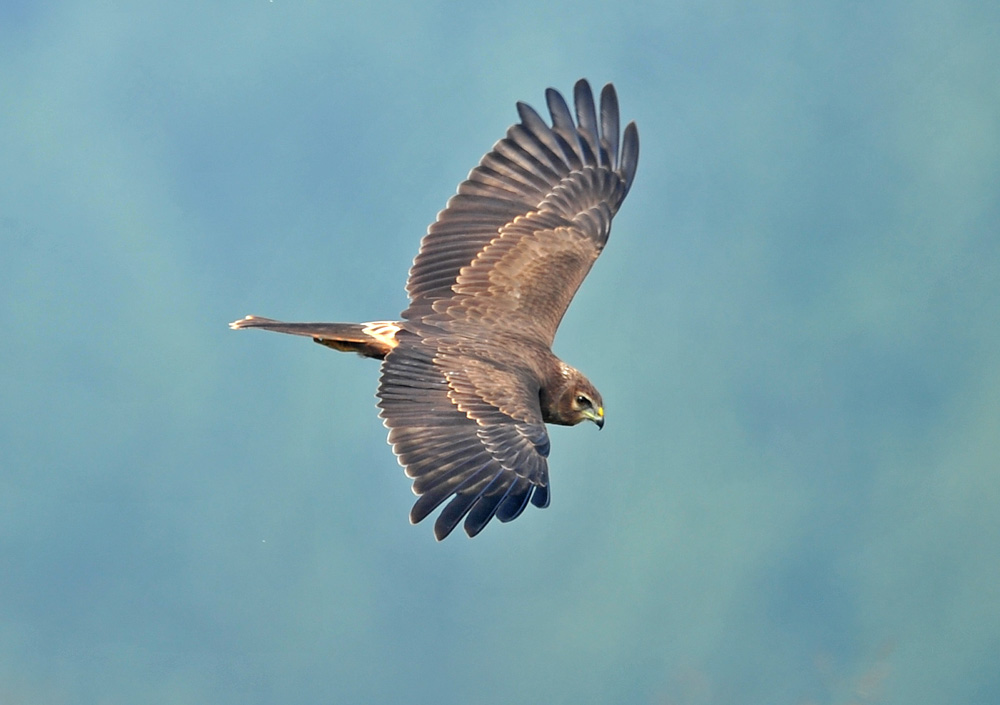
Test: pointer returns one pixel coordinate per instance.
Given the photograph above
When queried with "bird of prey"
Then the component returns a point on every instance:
(468, 377)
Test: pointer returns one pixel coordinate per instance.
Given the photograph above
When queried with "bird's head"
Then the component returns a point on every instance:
(576, 400)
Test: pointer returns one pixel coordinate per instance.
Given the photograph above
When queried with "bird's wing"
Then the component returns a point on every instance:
(516, 241)
(465, 428)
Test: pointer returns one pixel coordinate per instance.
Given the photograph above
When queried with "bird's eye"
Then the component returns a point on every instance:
(582, 400)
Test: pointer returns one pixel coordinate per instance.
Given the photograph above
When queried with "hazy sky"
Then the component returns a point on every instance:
(796, 498)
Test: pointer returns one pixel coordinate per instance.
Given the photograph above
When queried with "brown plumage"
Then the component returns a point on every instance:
(468, 375)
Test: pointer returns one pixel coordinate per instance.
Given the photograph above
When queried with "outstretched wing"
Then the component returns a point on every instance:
(514, 244)
(465, 428)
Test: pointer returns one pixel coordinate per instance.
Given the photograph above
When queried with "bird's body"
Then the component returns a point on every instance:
(469, 379)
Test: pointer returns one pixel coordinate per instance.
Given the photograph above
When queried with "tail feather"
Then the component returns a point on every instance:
(374, 339)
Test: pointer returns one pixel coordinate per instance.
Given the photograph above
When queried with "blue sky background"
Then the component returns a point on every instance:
(795, 328)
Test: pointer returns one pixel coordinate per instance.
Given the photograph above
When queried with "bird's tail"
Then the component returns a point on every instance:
(373, 339)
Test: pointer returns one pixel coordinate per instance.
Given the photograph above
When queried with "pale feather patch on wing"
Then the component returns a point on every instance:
(382, 331)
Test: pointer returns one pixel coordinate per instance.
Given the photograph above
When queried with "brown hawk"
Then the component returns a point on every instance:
(468, 376)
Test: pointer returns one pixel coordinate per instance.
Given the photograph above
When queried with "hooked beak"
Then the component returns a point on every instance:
(597, 416)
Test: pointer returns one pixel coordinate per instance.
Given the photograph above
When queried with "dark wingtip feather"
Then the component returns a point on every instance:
(630, 154)
(515, 502)
(441, 531)
(482, 511)
(424, 505)
(452, 514)
(540, 497)
(562, 118)
(586, 118)
(527, 113)
(609, 122)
